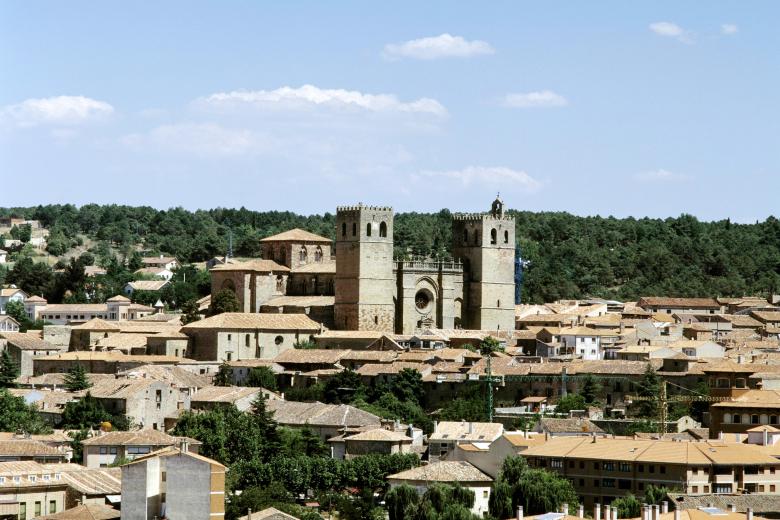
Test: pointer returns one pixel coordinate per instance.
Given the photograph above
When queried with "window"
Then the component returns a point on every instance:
(229, 356)
(556, 463)
(112, 450)
(22, 510)
(771, 488)
(318, 254)
(382, 230)
(52, 506)
(376, 320)
(609, 466)
(736, 419)
(625, 467)
(344, 229)
(582, 465)
(740, 382)
(476, 238)
(465, 236)
(651, 467)
(354, 229)
(595, 465)
(624, 484)
(104, 450)
(485, 493)
(722, 488)
(641, 468)
(663, 469)
(493, 236)
(506, 237)
(37, 508)
(754, 419)
(368, 229)
(230, 337)
(694, 489)
(303, 254)
(246, 340)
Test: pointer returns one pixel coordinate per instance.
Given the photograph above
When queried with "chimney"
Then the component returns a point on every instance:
(519, 512)
(597, 511)
(664, 507)
(435, 426)
(471, 428)
(565, 509)
(656, 511)
(581, 511)
(749, 513)
(676, 514)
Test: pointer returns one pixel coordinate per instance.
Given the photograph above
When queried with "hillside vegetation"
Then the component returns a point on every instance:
(570, 256)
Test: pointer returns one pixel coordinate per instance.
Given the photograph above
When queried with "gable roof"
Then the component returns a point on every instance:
(25, 341)
(257, 265)
(136, 438)
(443, 471)
(85, 512)
(245, 320)
(297, 235)
(320, 414)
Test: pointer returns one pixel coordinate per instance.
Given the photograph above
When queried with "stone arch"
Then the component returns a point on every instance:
(318, 254)
(303, 254)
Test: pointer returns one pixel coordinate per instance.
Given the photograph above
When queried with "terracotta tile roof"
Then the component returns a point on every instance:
(119, 299)
(34, 299)
(742, 320)
(570, 425)
(257, 265)
(442, 471)
(85, 512)
(759, 502)
(180, 377)
(137, 438)
(223, 394)
(351, 334)
(462, 431)
(300, 301)
(270, 513)
(375, 369)
(320, 414)
(316, 267)
(158, 259)
(752, 399)
(297, 235)
(376, 356)
(245, 320)
(97, 324)
(119, 388)
(660, 301)
(766, 316)
(148, 285)
(112, 355)
(27, 448)
(309, 356)
(7, 292)
(25, 341)
(379, 435)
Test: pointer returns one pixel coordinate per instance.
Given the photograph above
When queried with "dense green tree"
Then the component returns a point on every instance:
(77, 436)
(656, 494)
(591, 389)
(224, 375)
(648, 387)
(399, 500)
(224, 301)
(88, 412)
(500, 502)
(628, 506)
(21, 232)
(76, 379)
(305, 344)
(262, 377)
(190, 312)
(537, 490)
(407, 385)
(343, 387)
(9, 370)
(34, 278)
(18, 416)
(570, 402)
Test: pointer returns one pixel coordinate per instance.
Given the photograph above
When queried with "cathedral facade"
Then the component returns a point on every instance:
(362, 287)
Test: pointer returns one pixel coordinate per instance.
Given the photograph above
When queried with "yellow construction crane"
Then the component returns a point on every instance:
(664, 399)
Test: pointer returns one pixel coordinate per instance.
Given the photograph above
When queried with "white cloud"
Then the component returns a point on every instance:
(671, 30)
(491, 175)
(59, 110)
(434, 47)
(660, 175)
(309, 96)
(728, 29)
(201, 139)
(543, 98)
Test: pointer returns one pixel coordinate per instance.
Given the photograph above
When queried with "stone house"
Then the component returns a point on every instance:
(24, 348)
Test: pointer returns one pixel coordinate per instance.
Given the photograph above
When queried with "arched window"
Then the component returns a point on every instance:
(383, 230)
(343, 229)
(354, 229)
(506, 237)
(303, 254)
(368, 229)
(493, 236)
(318, 254)
(465, 236)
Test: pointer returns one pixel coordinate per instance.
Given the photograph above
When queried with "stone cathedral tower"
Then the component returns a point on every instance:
(364, 282)
(485, 243)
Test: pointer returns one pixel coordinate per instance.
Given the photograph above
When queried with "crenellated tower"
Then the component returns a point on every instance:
(364, 282)
(485, 243)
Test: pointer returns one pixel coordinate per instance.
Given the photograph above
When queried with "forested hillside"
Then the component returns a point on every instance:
(570, 256)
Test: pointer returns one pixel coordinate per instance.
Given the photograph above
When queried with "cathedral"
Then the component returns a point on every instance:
(356, 284)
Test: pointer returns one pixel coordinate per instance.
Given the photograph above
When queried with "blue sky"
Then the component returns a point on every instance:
(611, 108)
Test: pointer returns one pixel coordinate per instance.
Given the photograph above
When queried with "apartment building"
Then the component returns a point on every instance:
(602, 469)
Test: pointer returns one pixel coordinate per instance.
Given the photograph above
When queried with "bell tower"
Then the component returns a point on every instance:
(364, 282)
(485, 243)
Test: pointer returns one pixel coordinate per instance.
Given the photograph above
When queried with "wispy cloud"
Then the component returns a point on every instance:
(309, 96)
(729, 29)
(672, 30)
(481, 175)
(540, 99)
(435, 47)
(660, 175)
(203, 139)
(58, 110)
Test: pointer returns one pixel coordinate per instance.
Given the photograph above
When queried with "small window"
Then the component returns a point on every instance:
(230, 337)
(476, 238)
(278, 340)
(382, 230)
(506, 237)
(354, 229)
(754, 419)
(465, 236)
(493, 236)
(229, 356)
(376, 320)
(112, 450)
(344, 229)
(104, 450)
(246, 340)
(368, 229)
